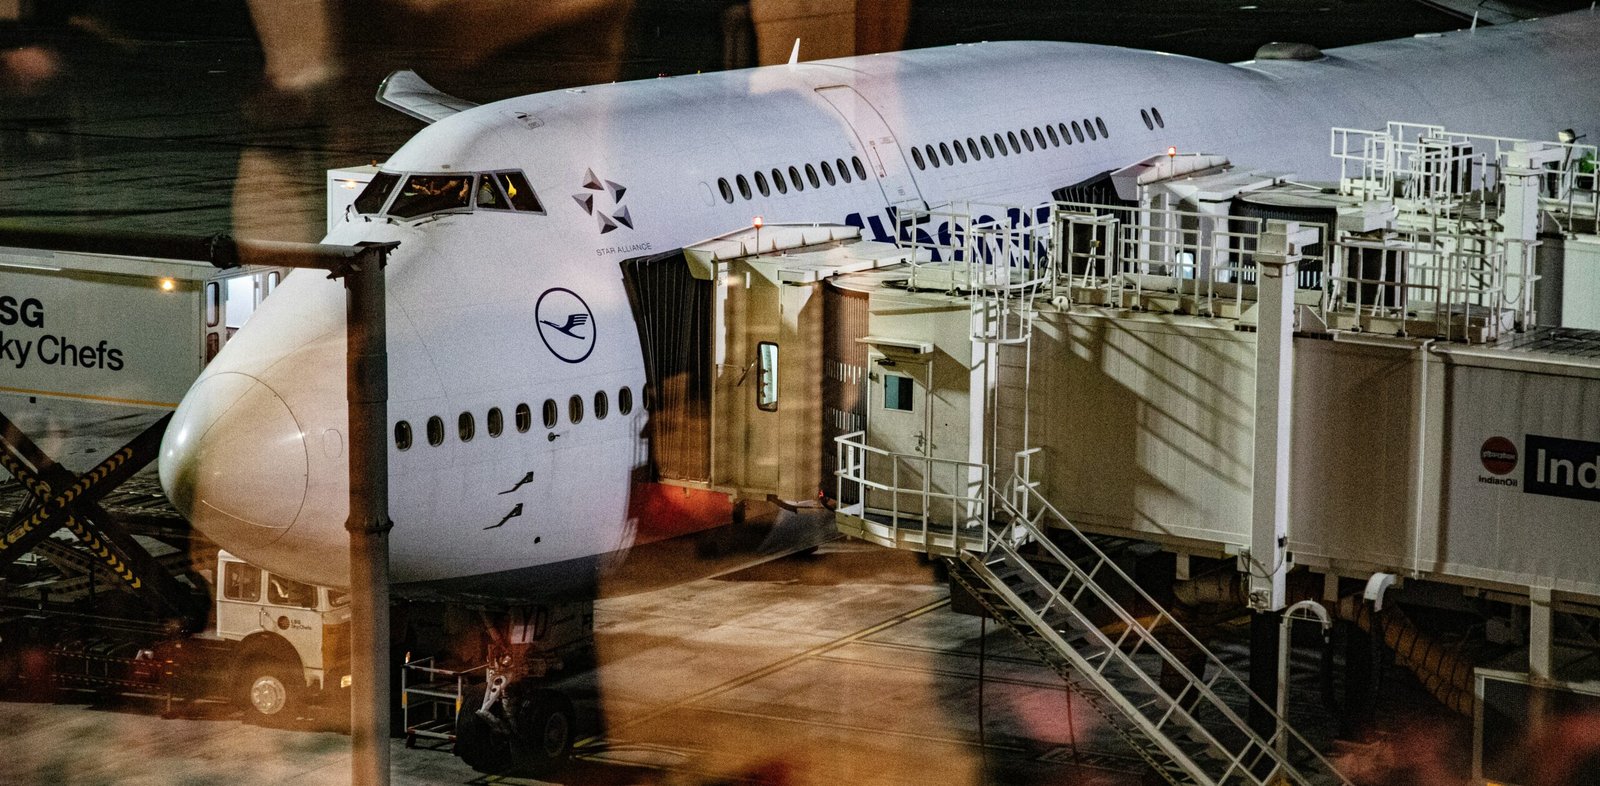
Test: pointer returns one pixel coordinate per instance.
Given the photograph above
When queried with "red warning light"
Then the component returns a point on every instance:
(1172, 152)
(756, 222)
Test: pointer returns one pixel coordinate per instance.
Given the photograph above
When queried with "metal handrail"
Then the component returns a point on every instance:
(969, 509)
(1031, 528)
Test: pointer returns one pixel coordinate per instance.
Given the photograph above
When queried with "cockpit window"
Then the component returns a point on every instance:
(376, 193)
(421, 195)
(431, 194)
(516, 187)
(489, 197)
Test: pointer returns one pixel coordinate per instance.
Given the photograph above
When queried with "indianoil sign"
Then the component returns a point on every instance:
(1553, 466)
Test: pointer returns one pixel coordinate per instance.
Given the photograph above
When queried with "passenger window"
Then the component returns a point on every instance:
(376, 193)
(1101, 124)
(1015, 147)
(861, 171)
(727, 190)
(489, 195)
(435, 431)
(575, 409)
(1051, 132)
(1065, 135)
(944, 152)
(288, 592)
(794, 177)
(464, 426)
(602, 405)
(777, 182)
(972, 147)
(1000, 143)
(424, 194)
(550, 413)
(811, 175)
(744, 186)
(916, 156)
(844, 171)
(1038, 136)
(1027, 141)
(625, 400)
(1088, 128)
(495, 422)
(933, 155)
(517, 190)
(897, 392)
(524, 418)
(1156, 115)
(402, 435)
(1144, 114)
(241, 582)
(1077, 130)
(987, 149)
(961, 154)
(827, 172)
(213, 304)
(767, 376)
(761, 185)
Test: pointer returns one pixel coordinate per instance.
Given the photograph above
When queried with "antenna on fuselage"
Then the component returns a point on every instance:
(794, 54)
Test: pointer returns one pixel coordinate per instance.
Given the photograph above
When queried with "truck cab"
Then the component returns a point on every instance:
(292, 638)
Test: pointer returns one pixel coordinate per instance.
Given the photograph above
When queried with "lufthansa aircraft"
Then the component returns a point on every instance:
(516, 374)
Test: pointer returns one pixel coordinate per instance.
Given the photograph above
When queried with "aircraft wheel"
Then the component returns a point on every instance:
(477, 743)
(544, 733)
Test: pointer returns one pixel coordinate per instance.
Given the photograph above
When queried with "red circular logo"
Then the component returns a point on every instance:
(1499, 456)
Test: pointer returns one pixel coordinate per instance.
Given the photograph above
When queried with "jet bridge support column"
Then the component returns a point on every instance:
(1277, 259)
(1267, 562)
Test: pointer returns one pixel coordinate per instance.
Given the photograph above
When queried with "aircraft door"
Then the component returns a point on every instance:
(879, 149)
(899, 421)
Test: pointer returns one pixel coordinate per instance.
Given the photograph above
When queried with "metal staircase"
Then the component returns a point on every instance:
(1128, 665)
(1112, 643)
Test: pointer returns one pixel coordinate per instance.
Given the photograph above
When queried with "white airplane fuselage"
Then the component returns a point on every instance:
(256, 454)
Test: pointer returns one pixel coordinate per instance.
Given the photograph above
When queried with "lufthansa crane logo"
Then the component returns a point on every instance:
(594, 186)
(566, 325)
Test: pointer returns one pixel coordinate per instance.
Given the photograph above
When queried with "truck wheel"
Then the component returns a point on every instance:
(270, 691)
(544, 733)
(477, 743)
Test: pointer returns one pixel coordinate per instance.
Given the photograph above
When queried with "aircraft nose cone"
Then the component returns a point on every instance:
(233, 461)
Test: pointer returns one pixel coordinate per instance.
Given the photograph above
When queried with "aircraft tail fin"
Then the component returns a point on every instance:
(407, 92)
(1487, 12)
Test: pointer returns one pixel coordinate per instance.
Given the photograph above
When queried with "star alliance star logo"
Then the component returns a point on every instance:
(618, 216)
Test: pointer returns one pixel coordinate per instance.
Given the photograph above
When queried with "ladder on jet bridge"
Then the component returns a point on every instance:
(1189, 726)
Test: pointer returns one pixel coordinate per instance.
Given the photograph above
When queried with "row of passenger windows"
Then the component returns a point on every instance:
(1152, 118)
(830, 173)
(494, 419)
(1019, 141)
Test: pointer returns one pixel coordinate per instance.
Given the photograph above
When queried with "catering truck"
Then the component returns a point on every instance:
(116, 329)
(275, 647)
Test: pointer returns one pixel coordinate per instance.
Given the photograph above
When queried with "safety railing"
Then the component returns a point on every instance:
(912, 500)
(1158, 258)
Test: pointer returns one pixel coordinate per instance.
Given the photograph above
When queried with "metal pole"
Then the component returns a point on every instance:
(1305, 609)
(367, 390)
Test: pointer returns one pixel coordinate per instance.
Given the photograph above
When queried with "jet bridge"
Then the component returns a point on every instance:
(1370, 381)
(739, 333)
